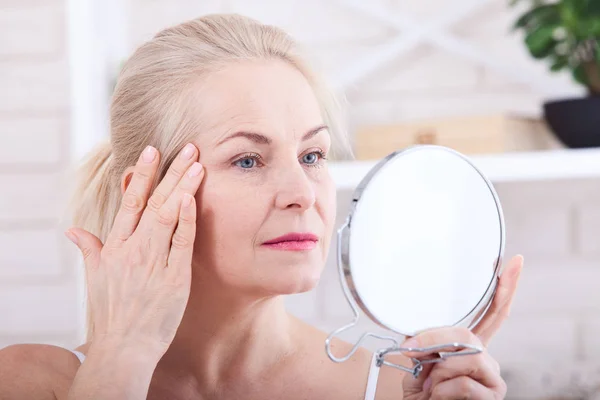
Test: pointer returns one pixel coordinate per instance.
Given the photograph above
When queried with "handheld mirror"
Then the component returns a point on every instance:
(421, 248)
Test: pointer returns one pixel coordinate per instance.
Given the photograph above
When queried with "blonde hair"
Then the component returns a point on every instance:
(149, 104)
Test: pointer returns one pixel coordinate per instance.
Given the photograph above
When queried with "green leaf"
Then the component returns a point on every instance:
(559, 64)
(544, 14)
(568, 10)
(584, 28)
(593, 8)
(589, 28)
(541, 41)
(579, 75)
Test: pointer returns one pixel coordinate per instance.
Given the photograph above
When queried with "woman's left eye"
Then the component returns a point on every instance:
(312, 158)
(246, 163)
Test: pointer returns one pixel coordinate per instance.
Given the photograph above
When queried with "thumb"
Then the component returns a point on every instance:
(88, 244)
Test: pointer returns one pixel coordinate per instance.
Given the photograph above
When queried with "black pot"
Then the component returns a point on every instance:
(575, 122)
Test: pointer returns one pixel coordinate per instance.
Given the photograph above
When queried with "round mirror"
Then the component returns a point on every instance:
(423, 243)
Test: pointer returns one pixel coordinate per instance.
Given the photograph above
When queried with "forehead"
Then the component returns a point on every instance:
(271, 96)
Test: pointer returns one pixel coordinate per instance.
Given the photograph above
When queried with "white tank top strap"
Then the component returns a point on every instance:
(79, 355)
(373, 378)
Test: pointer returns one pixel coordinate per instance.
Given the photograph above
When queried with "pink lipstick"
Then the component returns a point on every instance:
(293, 242)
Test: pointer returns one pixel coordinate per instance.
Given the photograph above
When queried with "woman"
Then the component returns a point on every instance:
(186, 277)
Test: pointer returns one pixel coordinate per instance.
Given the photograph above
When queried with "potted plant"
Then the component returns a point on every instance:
(566, 33)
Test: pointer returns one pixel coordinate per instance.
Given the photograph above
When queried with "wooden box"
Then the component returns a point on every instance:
(468, 135)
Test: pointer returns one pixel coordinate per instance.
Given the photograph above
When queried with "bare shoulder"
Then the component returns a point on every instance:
(36, 371)
(348, 380)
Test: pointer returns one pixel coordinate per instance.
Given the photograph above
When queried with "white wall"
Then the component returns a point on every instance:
(38, 297)
(555, 326)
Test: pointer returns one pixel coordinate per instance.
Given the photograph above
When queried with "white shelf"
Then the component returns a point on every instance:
(506, 167)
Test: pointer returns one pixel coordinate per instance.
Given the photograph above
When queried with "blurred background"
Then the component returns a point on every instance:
(522, 102)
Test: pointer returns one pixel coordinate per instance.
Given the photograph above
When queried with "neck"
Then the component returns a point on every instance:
(226, 336)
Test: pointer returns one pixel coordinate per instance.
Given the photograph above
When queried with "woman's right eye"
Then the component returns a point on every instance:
(248, 161)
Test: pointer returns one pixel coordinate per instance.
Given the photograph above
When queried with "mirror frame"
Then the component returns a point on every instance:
(480, 309)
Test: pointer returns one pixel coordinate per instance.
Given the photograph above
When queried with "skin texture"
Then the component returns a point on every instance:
(187, 301)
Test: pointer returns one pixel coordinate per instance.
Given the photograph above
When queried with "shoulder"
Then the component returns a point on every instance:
(36, 371)
(349, 379)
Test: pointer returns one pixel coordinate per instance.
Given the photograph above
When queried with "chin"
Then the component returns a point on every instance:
(297, 279)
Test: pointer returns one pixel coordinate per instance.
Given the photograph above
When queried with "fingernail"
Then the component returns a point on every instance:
(149, 154)
(71, 236)
(195, 170)
(427, 385)
(187, 200)
(188, 151)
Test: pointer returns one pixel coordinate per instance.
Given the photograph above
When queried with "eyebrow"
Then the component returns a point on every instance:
(262, 139)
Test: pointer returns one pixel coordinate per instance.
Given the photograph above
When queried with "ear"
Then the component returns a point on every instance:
(126, 179)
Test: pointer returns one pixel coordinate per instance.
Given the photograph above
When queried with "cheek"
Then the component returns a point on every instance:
(327, 204)
(233, 210)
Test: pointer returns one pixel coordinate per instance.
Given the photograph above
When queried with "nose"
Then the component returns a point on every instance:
(295, 189)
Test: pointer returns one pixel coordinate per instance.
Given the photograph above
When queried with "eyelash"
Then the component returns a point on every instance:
(258, 159)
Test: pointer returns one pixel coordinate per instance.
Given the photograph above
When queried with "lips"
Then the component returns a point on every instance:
(294, 237)
(293, 242)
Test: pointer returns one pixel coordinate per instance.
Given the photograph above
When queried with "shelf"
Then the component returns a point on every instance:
(505, 167)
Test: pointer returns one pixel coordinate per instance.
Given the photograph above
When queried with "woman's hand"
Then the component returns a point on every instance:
(471, 376)
(139, 280)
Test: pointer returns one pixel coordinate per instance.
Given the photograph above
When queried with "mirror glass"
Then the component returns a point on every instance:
(424, 241)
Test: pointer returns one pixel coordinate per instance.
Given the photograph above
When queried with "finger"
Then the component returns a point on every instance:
(412, 385)
(182, 244)
(89, 245)
(162, 223)
(135, 197)
(503, 299)
(480, 367)
(464, 388)
(179, 166)
(437, 337)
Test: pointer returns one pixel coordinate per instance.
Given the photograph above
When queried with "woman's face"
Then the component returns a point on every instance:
(266, 177)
